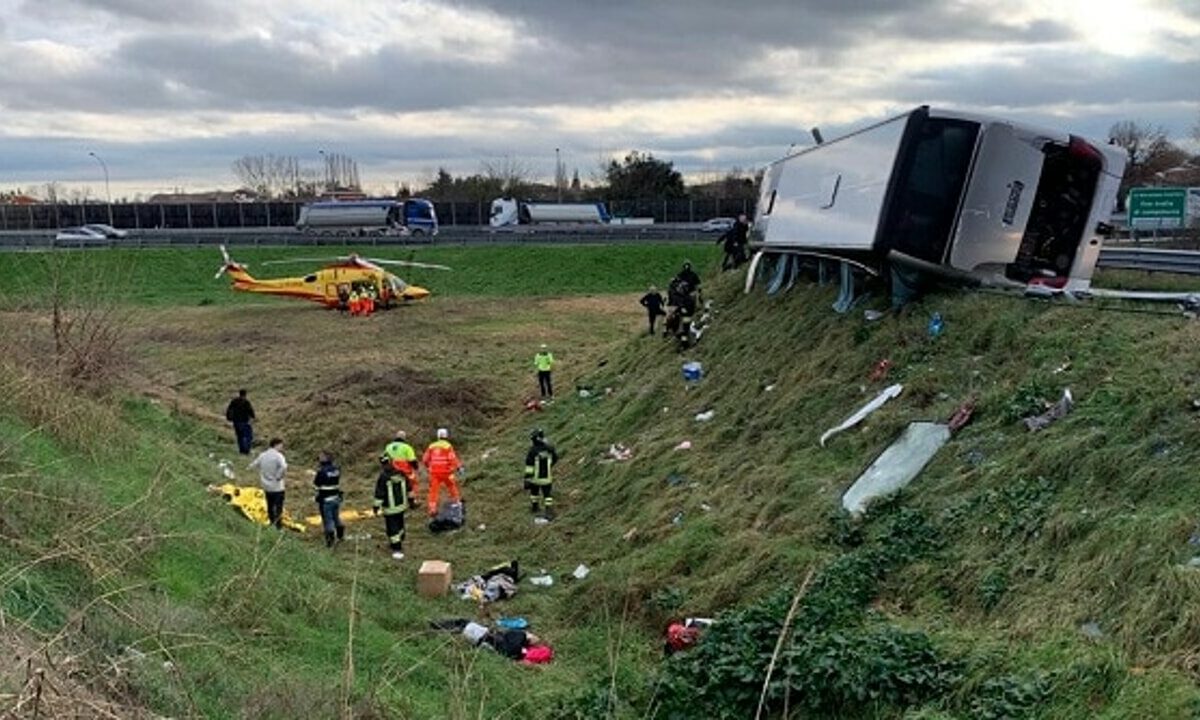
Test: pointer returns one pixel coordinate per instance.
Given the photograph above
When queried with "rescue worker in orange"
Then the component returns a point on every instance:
(442, 464)
(403, 460)
(368, 300)
(355, 302)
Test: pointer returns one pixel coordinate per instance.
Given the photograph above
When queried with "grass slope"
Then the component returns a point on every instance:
(1030, 536)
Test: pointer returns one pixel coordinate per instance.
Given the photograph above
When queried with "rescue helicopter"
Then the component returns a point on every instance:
(343, 273)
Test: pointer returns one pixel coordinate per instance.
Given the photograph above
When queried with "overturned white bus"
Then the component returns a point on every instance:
(959, 195)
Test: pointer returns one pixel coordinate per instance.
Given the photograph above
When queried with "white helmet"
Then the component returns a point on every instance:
(442, 433)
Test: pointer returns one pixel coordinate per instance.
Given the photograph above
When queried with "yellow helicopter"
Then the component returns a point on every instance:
(331, 283)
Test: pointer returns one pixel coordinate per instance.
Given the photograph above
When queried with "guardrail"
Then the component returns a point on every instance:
(1181, 262)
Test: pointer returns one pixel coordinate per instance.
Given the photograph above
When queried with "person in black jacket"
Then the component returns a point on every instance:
(653, 302)
(391, 498)
(735, 242)
(241, 413)
(539, 461)
(689, 276)
(329, 498)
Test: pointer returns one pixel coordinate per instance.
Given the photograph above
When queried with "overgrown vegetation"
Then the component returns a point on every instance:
(1022, 574)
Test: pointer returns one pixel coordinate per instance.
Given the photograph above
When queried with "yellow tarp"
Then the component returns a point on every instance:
(253, 504)
(346, 515)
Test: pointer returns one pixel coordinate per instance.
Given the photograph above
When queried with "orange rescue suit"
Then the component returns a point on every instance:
(442, 462)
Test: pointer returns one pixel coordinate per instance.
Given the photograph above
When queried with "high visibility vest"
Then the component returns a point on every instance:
(543, 361)
(402, 456)
(441, 459)
(538, 465)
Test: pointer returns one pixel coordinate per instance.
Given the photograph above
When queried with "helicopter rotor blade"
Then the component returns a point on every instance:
(343, 258)
(408, 263)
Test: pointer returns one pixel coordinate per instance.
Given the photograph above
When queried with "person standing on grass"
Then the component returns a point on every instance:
(538, 463)
(272, 467)
(442, 464)
(241, 413)
(403, 459)
(543, 362)
(328, 482)
(653, 302)
(391, 499)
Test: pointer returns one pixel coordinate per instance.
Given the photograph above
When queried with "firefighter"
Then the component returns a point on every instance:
(441, 462)
(368, 299)
(355, 301)
(343, 295)
(327, 481)
(391, 499)
(403, 460)
(538, 463)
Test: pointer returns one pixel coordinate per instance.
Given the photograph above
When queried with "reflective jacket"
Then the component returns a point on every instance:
(441, 459)
(538, 462)
(543, 361)
(328, 481)
(402, 457)
(391, 492)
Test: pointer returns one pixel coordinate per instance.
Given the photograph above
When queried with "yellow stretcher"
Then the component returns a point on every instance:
(253, 504)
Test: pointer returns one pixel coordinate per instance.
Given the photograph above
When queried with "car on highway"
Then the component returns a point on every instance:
(107, 231)
(75, 234)
(717, 224)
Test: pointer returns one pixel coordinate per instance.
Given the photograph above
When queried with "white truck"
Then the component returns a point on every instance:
(955, 194)
(413, 216)
(508, 211)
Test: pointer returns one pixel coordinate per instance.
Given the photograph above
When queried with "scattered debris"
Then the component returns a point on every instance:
(513, 623)
(488, 453)
(450, 516)
(975, 457)
(630, 534)
(936, 325)
(617, 453)
(1091, 630)
(769, 388)
(706, 415)
(684, 635)
(1062, 368)
(692, 371)
(881, 370)
(705, 507)
(541, 520)
(872, 315)
(685, 445)
(585, 393)
(886, 394)
(678, 519)
(1056, 412)
(226, 469)
(962, 416)
(497, 583)
(481, 527)
(581, 572)
(896, 466)
(533, 405)
(675, 479)
(542, 580)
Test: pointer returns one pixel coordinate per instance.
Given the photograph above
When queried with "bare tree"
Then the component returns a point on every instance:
(512, 174)
(1148, 152)
(341, 172)
(270, 175)
(53, 191)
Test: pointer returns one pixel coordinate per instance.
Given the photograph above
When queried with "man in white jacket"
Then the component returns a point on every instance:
(272, 467)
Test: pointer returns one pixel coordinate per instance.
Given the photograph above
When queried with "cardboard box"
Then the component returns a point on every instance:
(433, 579)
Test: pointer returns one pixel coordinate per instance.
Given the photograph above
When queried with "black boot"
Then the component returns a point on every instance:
(329, 538)
(533, 507)
(341, 532)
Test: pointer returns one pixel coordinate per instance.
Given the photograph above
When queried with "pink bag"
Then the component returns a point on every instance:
(538, 655)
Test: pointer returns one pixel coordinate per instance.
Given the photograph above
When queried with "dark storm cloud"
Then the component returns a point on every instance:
(577, 53)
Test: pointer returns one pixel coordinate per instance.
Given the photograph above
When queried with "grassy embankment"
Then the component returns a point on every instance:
(1027, 538)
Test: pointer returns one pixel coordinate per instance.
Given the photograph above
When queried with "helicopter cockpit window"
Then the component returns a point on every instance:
(310, 278)
(397, 284)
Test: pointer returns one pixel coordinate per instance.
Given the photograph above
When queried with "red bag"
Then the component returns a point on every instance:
(538, 655)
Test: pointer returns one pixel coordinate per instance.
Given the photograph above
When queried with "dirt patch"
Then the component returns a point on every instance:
(409, 391)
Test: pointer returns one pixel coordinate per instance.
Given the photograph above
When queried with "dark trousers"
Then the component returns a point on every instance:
(652, 316)
(275, 508)
(245, 436)
(394, 525)
(544, 490)
(544, 384)
(331, 520)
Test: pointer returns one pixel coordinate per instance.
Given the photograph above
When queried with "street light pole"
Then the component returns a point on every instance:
(558, 175)
(107, 190)
(324, 171)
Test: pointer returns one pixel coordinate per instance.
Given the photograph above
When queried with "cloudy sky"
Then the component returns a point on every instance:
(169, 93)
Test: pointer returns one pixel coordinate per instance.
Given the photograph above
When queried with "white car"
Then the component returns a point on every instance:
(79, 233)
(718, 224)
(107, 231)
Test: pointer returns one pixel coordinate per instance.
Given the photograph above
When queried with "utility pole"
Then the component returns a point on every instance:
(324, 171)
(558, 174)
(107, 190)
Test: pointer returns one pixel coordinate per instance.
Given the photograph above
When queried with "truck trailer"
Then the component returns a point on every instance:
(960, 195)
(508, 211)
(413, 216)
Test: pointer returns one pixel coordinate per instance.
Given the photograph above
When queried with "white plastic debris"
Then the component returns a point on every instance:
(481, 527)
(541, 521)
(896, 466)
(872, 315)
(685, 445)
(769, 388)
(886, 394)
(581, 572)
(705, 507)
(542, 580)
(585, 393)
(706, 415)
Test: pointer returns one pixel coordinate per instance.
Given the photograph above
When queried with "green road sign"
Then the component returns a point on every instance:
(1157, 207)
